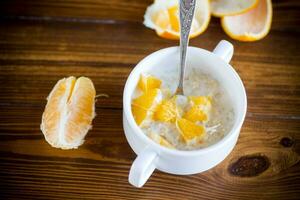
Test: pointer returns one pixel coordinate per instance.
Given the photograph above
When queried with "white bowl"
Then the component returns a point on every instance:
(151, 156)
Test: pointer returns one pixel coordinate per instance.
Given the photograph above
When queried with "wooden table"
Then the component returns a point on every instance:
(44, 41)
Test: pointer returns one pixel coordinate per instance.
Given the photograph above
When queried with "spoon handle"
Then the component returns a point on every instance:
(187, 8)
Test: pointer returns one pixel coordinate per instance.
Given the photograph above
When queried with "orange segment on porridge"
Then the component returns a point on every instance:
(201, 100)
(200, 109)
(147, 100)
(161, 140)
(147, 83)
(139, 114)
(166, 111)
(189, 131)
(196, 114)
(144, 105)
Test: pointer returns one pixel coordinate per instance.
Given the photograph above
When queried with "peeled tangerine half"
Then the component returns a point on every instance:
(220, 8)
(252, 25)
(163, 17)
(69, 112)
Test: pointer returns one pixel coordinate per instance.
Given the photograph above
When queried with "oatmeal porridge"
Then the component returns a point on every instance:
(200, 118)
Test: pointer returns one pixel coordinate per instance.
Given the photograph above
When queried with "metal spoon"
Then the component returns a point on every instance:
(186, 12)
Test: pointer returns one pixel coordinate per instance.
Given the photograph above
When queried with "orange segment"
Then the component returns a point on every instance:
(166, 111)
(145, 104)
(252, 25)
(81, 107)
(200, 109)
(147, 83)
(189, 131)
(147, 100)
(200, 100)
(165, 143)
(195, 114)
(161, 140)
(139, 114)
(69, 112)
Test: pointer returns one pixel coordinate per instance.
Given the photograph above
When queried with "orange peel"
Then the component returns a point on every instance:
(163, 17)
(221, 8)
(250, 26)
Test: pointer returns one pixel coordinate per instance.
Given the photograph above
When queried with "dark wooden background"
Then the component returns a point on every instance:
(44, 41)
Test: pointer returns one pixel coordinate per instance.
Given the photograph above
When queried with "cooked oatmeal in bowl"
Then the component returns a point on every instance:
(182, 134)
(199, 119)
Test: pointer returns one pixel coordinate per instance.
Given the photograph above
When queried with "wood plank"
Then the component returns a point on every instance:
(286, 13)
(41, 52)
(110, 10)
(43, 41)
(269, 91)
(100, 166)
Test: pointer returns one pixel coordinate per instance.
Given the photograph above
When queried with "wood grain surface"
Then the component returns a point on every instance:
(44, 41)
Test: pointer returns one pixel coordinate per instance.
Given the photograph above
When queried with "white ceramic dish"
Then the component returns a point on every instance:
(151, 156)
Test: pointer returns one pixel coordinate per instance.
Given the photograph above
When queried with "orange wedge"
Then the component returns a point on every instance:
(200, 109)
(148, 82)
(139, 114)
(189, 131)
(195, 114)
(163, 17)
(148, 99)
(69, 112)
(161, 140)
(200, 100)
(144, 105)
(221, 8)
(166, 111)
(252, 25)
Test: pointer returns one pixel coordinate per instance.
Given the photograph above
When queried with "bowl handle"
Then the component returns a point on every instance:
(224, 50)
(142, 167)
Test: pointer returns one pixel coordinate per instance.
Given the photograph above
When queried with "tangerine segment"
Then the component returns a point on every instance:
(196, 114)
(139, 114)
(189, 131)
(147, 83)
(69, 112)
(222, 8)
(145, 104)
(201, 100)
(161, 140)
(81, 110)
(166, 111)
(148, 99)
(200, 109)
(252, 25)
